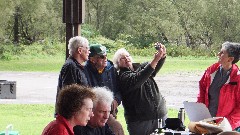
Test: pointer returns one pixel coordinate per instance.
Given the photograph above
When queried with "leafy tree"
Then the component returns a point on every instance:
(30, 21)
(149, 21)
(192, 23)
(224, 17)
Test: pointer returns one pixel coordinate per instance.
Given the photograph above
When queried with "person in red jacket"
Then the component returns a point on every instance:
(219, 87)
(74, 107)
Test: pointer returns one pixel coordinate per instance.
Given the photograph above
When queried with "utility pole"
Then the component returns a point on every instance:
(73, 16)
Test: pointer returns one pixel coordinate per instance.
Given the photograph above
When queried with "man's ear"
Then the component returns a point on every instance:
(79, 50)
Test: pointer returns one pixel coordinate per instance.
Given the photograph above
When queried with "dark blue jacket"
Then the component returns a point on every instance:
(71, 73)
(108, 78)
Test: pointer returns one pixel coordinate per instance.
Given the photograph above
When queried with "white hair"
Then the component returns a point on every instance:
(76, 42)
(103, 95)
(117, 56)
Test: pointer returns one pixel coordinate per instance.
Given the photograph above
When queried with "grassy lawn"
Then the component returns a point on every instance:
(27, 119)
(30, 119)
(54, 64)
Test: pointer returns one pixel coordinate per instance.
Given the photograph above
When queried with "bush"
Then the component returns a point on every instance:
(50, 47)
(36, 50)
(182, 51)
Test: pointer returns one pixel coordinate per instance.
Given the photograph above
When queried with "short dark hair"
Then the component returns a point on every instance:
(71, 99)
(233, 50)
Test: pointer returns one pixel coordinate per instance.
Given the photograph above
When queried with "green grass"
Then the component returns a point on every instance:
(186, 65)
(182, 64)
(27, 119)
(54, 64)
(30, 119)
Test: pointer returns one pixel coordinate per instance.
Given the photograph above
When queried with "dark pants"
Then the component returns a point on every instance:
(143, 127)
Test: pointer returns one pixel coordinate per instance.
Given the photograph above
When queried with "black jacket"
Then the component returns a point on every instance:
(106, 78)
(71, 73)
(87, 130)
(140, 94)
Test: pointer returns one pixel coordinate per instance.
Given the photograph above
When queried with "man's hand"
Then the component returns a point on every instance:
(161, 53)
(114, 108)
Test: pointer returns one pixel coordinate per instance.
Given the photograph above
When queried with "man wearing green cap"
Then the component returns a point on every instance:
(101, 72)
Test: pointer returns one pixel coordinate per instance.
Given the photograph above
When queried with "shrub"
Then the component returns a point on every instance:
(36, 50)
(50, 47)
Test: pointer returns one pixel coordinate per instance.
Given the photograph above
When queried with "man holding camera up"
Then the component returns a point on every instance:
(142, 100)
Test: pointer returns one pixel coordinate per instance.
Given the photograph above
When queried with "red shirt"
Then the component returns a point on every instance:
(229, 96)
(60, 126)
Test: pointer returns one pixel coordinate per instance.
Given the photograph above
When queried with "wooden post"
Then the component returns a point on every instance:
(16, 25)
(73, 16)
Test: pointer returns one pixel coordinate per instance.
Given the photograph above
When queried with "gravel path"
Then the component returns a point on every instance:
(40, 87)
(32, 87)
(179, 87)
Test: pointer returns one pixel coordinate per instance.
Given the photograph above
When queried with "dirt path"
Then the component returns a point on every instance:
(40, 87)
(179, 87)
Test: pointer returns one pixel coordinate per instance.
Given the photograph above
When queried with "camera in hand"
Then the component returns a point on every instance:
(157, 47)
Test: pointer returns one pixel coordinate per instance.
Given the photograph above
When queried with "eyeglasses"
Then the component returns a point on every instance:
(102, 56)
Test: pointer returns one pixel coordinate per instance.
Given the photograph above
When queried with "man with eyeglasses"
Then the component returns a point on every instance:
(101, 109)
(101, 72)
(72, 71)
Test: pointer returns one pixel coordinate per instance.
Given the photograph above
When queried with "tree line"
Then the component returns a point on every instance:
(192, 23)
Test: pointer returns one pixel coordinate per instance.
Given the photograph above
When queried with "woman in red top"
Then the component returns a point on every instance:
(219, 87)
(74, 107)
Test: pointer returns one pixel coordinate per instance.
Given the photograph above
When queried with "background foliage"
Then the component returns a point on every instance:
(194, 25)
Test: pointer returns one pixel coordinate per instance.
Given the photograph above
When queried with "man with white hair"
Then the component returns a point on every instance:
(72, 70)
(97, 125)
(142, 100)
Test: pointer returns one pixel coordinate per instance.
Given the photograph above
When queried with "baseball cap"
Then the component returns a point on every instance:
(97, 49)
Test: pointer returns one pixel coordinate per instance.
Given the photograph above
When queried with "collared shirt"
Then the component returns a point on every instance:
(219, 80)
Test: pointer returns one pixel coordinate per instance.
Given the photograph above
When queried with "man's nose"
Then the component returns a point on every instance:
(91, 114)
